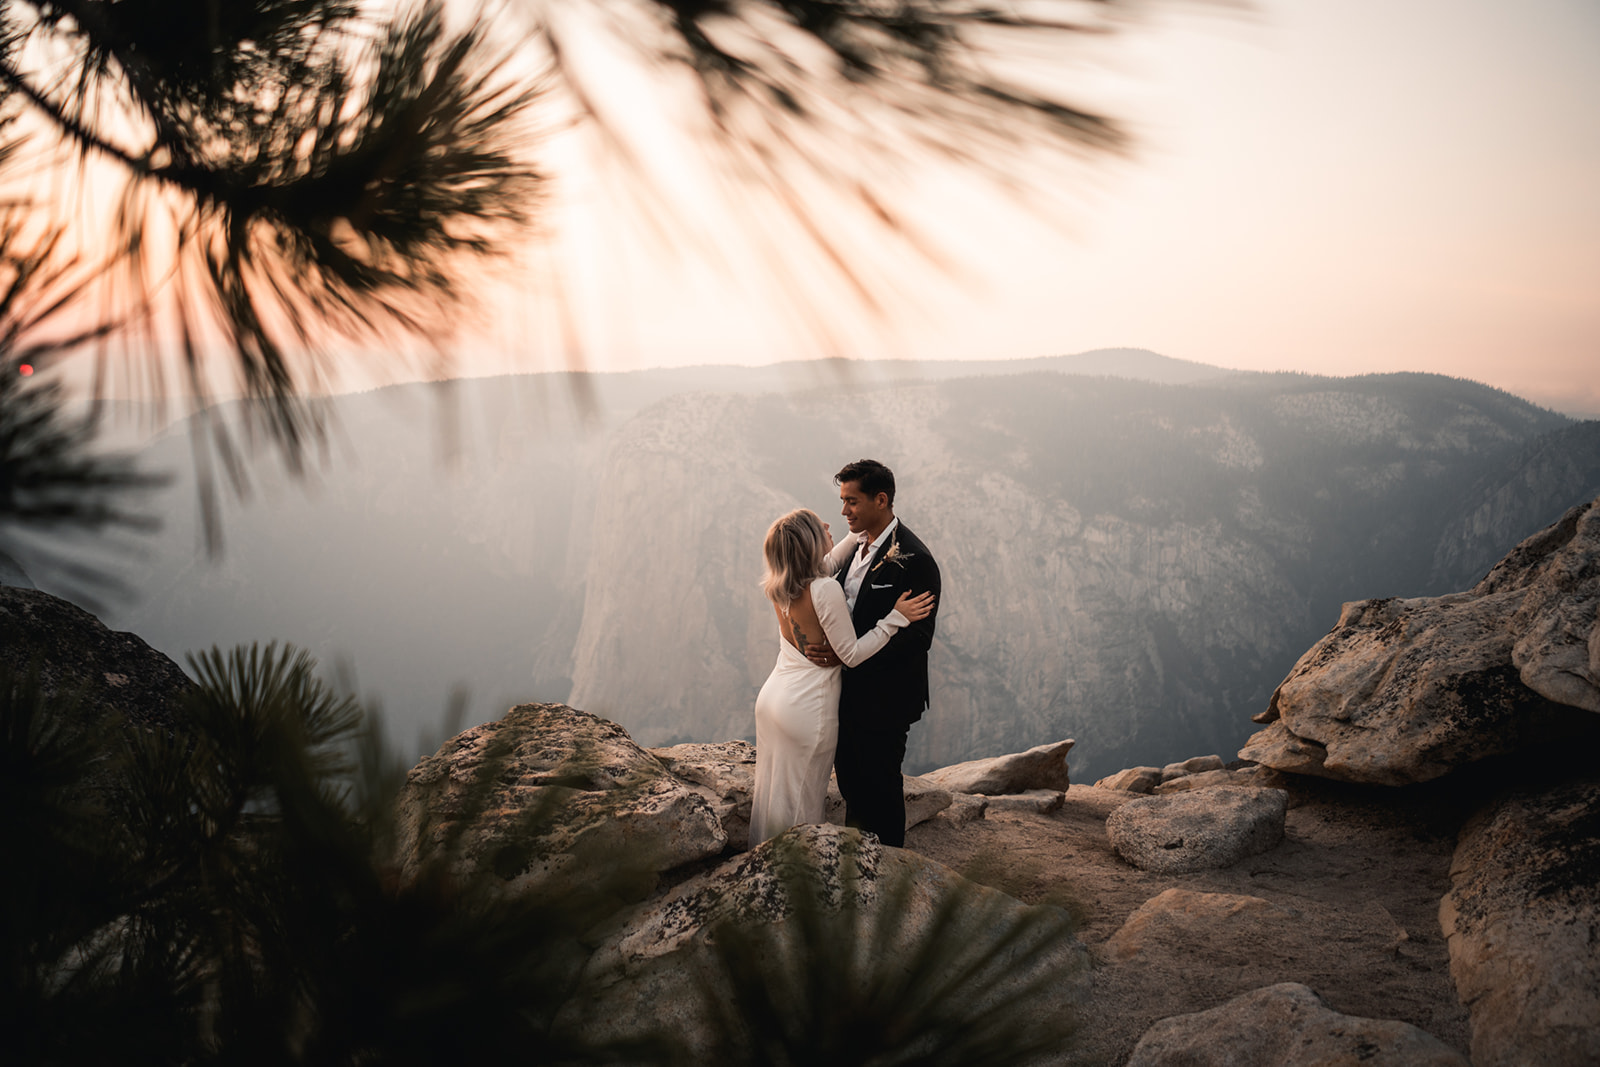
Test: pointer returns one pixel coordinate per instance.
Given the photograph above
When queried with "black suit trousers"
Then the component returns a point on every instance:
(867, 762)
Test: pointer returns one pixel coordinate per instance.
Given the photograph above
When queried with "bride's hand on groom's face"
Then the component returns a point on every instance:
(914, 607)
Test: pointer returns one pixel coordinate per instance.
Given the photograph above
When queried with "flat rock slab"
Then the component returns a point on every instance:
(1179, 923)
(1287, 1025)
(661, 960)
(1034, 801)
(551, 798)
(1192, 765)
(1523, 922)
(924, 799)
(1406, 690)
(1197, 830)
(1041, 767)
(965, 808)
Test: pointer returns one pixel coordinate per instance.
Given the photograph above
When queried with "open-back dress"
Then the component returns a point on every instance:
(797, 717)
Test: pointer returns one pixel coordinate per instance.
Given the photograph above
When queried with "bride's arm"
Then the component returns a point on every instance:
(840, 554)
(827, 597)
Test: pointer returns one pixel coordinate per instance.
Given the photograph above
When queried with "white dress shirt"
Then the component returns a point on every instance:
(858, 563)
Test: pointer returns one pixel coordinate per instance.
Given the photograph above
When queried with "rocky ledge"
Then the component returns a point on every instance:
(1404, 691)
(1401, 868)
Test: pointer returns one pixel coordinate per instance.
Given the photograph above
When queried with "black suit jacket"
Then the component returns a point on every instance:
(891, 687)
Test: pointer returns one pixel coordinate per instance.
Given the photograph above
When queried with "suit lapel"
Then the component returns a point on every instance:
(883, 549)
(863, 594)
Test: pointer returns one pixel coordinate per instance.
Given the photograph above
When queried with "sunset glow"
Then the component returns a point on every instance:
(1334, 189)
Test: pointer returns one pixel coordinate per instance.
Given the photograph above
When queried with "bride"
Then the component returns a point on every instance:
(797, 711)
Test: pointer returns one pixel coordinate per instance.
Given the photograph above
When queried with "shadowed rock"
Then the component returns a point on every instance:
(1523, 922)
(551, 798)
(1403, 691)
(1041, 767)
(661, 958)
(74, 652)
(1287, 1025)
(1197, 830)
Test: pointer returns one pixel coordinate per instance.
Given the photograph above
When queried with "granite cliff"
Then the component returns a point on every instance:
(1135, 562)
(1132, 564)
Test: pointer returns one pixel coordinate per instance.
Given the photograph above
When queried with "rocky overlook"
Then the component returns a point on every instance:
(1132, 561)
(1403, 869)
(1434, 901)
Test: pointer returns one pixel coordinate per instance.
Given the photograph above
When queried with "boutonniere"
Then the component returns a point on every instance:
(895, 556)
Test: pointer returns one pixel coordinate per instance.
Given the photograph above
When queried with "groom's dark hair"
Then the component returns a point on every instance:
(873, 477)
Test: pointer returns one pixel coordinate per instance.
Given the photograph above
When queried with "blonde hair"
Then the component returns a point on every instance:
(796, 549)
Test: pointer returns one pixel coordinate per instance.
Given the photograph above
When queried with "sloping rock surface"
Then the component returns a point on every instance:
(660, 959)
(553, 798)
(74, 652)
(725, 774)
(1040, 767)
(1403, 691)
(1287, 1025)
(1197, 830)
(1523, 922)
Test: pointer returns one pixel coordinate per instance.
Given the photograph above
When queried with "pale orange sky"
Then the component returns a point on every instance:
(1333, 187)
(1330, 186)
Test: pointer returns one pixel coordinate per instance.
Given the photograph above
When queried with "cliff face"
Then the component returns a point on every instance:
(1542, 480)
(1132, 563)
(1128, 564)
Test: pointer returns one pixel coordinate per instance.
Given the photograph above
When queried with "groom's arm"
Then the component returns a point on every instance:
(922, 576)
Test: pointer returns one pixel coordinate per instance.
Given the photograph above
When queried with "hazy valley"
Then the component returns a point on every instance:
(1134, 562)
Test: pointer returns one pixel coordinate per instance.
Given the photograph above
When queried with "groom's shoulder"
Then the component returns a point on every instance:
(912, 542)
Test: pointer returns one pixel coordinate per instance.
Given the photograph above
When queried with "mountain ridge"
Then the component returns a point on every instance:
(422, 577)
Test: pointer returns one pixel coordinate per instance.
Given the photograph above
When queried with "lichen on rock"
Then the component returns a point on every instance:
(553, 799)
(1523, 923)
(1407, 690)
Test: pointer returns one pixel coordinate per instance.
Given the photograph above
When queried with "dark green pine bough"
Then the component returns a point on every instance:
(281, 175)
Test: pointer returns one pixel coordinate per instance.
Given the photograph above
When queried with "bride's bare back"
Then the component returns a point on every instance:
(798, 623)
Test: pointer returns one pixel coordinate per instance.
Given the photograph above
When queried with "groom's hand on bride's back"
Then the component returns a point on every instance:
(822, 655)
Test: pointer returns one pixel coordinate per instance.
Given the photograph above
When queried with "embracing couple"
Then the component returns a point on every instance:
(856, 620)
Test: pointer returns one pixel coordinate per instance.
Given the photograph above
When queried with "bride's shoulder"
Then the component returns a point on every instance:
(825, 586)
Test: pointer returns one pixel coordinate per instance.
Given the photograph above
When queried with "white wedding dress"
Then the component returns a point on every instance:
(797, 717)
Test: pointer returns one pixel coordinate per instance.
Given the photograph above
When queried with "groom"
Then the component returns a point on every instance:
(885, 694)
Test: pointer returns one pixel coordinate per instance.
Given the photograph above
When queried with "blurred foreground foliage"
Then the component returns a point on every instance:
(842, 984)
(254, 191)
(225, 889)
(266, 178)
